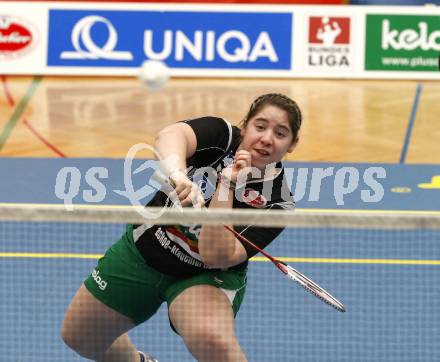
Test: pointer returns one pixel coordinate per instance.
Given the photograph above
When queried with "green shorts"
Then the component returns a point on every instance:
(124, 282)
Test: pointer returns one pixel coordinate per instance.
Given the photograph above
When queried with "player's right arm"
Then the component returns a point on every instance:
(174, 144)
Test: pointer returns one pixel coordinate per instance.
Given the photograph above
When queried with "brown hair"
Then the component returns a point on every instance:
(281, 101)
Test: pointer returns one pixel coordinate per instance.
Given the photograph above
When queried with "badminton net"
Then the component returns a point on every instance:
(384, 267)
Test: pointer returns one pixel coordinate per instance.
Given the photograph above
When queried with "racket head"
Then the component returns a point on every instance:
(312, 287)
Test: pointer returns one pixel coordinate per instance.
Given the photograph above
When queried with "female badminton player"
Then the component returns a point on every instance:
(199, 271)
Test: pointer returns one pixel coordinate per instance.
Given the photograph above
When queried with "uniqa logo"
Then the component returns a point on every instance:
(86, 48)
(206, 45)
(410, 39)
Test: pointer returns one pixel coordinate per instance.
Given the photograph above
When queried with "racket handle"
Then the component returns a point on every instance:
(160, 178)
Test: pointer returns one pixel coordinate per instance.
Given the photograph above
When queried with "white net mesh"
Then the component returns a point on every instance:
(385, 267)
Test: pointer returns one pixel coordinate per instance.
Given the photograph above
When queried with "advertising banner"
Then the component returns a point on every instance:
(220, 40)
(22, 39)
(198, 40)
(18, 37)
(402, 42)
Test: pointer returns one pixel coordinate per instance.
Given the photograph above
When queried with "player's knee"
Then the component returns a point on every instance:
(76, 341)
(69, 337)
(219, 345)
(214, 342)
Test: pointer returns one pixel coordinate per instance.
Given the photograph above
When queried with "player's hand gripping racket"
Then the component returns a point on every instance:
(290, 272)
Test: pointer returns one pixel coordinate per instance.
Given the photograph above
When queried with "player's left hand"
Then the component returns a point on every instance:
(240, 168)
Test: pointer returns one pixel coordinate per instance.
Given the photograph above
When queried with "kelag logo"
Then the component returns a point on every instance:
(402, 42)
(181, 39)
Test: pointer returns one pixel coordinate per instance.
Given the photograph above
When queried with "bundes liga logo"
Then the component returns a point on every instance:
(329, 44)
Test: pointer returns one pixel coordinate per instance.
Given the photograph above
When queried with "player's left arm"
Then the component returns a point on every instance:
(218, 247)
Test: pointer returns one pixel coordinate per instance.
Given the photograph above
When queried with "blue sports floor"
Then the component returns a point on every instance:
(387, 279)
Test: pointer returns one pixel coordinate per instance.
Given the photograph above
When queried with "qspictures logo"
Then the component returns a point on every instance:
(402, 43)
(329, 43)
(142, 179)
(17, 37)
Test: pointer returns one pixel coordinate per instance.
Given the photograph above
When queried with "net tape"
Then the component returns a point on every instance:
(158, 215)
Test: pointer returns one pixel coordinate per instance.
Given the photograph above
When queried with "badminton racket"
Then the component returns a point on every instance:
(294, 275)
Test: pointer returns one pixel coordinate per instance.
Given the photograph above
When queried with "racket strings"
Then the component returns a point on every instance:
(314, 288)
(324, 299)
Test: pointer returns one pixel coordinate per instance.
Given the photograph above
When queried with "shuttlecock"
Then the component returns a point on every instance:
(153, 74)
